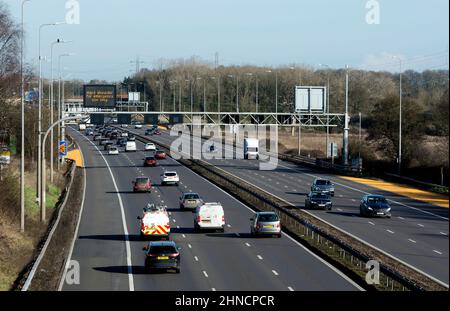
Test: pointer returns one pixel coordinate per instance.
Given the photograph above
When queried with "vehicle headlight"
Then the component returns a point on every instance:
(389, 209)
(370, 208)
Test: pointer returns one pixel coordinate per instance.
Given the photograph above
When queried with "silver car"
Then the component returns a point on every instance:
(190, 200)
(265, 223)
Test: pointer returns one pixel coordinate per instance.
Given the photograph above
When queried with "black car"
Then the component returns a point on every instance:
(107, 145)
(318, 200)
(323, 185)
(121, 142)
(162, 255)
(131, 137)
(375, 206)
(148, 132)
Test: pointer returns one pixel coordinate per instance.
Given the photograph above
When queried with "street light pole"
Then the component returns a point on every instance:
(60, 105)
(400, 122)
(346, 126)
(22, 151)
(39, 166)
(52, 106)
(327, 108)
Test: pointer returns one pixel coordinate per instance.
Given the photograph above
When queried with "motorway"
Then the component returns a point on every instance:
(108, 247)
(417, 234)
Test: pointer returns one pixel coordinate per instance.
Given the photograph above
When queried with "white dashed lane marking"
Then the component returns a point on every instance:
(274, 272)
(390, 231)
(412, 241)
(259, 257)
(205, 274)
(437, 252)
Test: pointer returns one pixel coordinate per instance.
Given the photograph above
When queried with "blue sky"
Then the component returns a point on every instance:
(111, 33)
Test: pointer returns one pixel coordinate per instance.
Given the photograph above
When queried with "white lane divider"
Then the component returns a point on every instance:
(259, 257)
(437, 252)
(248, 245)
(412, 241)
(213, 289)
(443, 233)
(420, 225)
(184, 236)
(274, 272)
(371, 223)
(189, 245)
(290, 289)
(205, 274)
(195, 258)
(390, 231)
(401, 218)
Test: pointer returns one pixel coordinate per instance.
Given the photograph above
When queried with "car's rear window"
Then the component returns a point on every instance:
(267, 217)
(322, 182)
(159, 152)
(149, 158)
(191, 196)
(320, 196)
(170, 174)
(163, 249)
(141, 180)
(376, 200)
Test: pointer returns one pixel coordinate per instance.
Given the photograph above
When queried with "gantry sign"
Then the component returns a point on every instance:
(100, 96)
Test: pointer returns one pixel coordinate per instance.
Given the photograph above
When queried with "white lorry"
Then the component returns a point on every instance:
(251, 148)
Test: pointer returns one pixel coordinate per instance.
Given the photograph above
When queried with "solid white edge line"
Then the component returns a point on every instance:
(124, 224)
(72, 245)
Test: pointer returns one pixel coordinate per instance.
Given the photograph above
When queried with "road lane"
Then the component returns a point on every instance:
(292, 182)
(225, 258)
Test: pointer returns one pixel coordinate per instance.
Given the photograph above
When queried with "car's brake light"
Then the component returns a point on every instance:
(151, 255)
(278, 225)
(223, 218)
(174, 255)
(199, 218)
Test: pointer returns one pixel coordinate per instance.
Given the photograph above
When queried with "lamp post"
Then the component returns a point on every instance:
(39, 168)
(237, 91)
(22, 151)
(400, 117)
(60, 103)
(257, 91)
(52, 104)
(327, 107)
(346, 126)
(276, 89)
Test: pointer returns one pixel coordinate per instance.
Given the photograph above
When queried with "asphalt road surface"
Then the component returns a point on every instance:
(108, 247)
(417, 234)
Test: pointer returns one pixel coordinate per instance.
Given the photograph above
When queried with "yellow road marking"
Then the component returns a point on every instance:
(403, 190)
(76, 156)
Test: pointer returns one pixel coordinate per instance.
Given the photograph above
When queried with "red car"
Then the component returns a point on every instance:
(150, 161)
(160, 155)
(142, 184)
(157, 132)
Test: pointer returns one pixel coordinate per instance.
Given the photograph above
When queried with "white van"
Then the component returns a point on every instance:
(209, 216)
(251, 148)
(130, 146)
